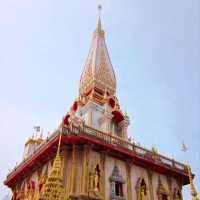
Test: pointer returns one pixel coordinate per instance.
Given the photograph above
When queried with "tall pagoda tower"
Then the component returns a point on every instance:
(89, 156)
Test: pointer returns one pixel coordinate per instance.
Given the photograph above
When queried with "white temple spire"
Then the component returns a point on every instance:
(98, 75)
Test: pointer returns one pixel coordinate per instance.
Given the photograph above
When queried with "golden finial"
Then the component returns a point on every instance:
(99, 29)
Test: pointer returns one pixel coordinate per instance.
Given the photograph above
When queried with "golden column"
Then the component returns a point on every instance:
(73, 170)
(128, 172)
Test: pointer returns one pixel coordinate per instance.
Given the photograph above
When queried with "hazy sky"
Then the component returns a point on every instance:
(154, 46)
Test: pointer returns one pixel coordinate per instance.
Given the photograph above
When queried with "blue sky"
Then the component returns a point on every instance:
(154, 46)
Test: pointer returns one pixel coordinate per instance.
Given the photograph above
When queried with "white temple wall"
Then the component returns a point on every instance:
(95, 119)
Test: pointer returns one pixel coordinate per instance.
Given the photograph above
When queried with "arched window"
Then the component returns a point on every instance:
(116, 182)
(163, 194)
(141, 189)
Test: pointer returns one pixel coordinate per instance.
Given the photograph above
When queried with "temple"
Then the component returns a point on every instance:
(90, 156)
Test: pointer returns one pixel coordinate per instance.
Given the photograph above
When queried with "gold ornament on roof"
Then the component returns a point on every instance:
(194, 193)
(54, 189)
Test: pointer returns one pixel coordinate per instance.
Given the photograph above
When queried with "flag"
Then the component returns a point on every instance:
(184, 147)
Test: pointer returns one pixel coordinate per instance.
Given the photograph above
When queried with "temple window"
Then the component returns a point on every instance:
(116, 182)
(118, 189)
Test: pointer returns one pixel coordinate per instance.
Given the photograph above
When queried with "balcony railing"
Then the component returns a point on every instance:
(129, 146)
(109, 139)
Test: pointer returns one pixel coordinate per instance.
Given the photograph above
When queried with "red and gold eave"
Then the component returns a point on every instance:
(48, 150)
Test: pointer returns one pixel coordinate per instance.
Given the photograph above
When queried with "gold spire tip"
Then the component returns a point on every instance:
(99, 9)
(99, 29)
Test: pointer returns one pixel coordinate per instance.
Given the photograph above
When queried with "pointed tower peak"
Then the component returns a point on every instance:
(99, 27)
(98, 75)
